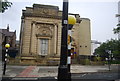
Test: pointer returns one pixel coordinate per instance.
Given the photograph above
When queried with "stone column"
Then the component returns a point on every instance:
(33, 39)
(26, 37)
(59, 39)
(21, 35)
(55, 38)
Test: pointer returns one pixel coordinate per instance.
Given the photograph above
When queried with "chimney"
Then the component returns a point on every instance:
(8, 27)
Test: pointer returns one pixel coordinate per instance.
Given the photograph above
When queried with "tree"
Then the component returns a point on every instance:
(117, 30)
(4, 5)
(111, 45)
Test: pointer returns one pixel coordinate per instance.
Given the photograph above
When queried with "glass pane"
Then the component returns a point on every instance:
(44, 46)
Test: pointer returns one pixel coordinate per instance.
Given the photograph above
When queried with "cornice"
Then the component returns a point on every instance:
(40, 15)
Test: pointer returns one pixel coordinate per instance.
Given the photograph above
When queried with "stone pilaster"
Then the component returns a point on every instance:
(59, 39)
(26, 38)
(33, 39)
(55, 38)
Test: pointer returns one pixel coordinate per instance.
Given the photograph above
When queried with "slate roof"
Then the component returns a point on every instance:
(6, 32)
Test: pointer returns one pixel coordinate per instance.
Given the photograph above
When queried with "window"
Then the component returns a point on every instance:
(43, 46)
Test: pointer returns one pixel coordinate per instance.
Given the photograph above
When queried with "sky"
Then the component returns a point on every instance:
(101, 14)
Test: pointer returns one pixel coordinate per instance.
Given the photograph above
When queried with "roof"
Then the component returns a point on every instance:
(44, 6)
(95, 42)
(6, 32)
(85, 19)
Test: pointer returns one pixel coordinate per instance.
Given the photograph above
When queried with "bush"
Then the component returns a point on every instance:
(97, 63)
(85, 62)
(97, 59)
(115, 62)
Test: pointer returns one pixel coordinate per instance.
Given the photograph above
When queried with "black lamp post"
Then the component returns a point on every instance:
(62, 70)
(5, 60)
(65, 58)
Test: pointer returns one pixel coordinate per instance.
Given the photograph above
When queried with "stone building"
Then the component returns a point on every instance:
(40, 35)
(7, 36)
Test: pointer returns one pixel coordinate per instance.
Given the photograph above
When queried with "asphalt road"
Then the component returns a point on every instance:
(49, 79)
(97, 75)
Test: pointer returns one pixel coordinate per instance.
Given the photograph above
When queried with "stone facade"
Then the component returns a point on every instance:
(40, 36)
(84, 37)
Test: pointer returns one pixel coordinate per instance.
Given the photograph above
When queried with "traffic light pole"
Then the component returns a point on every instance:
(69, 50)
(62, 70)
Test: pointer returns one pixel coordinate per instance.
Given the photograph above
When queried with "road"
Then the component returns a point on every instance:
(50, 79)
(79, 72)
(50, 71)
(97, 75)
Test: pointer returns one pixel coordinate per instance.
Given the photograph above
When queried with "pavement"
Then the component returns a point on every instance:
(0, 70)
(48, 71)
(78, 72)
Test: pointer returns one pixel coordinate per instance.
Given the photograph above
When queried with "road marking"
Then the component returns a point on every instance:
(26, 72)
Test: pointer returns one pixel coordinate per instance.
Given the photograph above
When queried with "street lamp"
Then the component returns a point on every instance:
(71, 22)
(5, 60)
(62, 70)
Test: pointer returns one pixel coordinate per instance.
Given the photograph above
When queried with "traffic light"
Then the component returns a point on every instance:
(69, 39)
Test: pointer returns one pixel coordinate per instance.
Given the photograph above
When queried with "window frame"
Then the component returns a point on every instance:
(44, 44)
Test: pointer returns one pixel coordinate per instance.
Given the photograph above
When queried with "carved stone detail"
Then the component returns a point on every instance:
(44, 30)
(45, 11)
